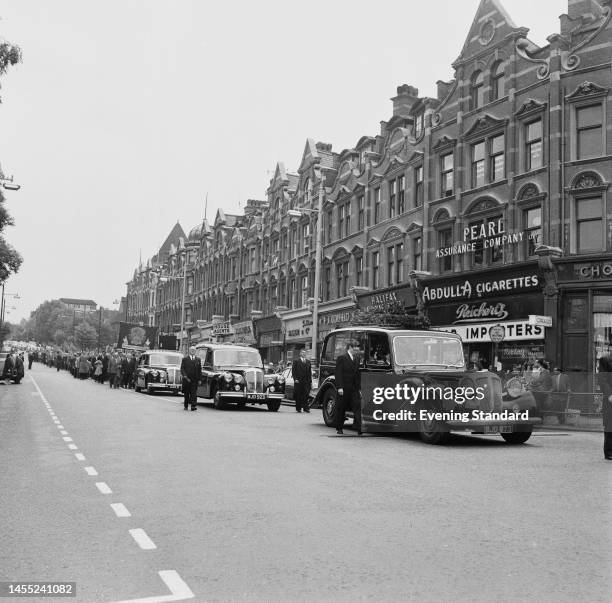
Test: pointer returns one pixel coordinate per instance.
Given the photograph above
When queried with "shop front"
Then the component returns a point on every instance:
(297, 325)
(383, 299)
(269, 337)
(493, 313)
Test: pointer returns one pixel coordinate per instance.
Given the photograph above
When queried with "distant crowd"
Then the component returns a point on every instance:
(116, 368)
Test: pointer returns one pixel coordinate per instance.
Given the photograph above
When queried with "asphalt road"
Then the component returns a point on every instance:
(248, 505)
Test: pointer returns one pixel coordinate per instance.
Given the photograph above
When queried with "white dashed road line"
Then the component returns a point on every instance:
(103, 487)
(120, 510)
(142, 540)
(179, 591)
(73, 447)
(79, 456)
(66, 439)
(91, 471)
(64, 432)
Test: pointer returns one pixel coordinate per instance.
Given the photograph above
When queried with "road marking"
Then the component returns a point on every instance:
(67, 439)
(59, 425)
(142, 540)
(64, 432)
(91, 471)
(179, 591)
(120, 510)
(79, 456)
(73, 447)
(103, 487)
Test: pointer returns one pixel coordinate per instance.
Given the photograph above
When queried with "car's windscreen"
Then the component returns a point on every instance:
(427, 350)
(164, 359)
(237, 358)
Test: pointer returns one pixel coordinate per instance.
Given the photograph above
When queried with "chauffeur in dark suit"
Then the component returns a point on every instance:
(191, 371)
(302, 377)
(348, 384)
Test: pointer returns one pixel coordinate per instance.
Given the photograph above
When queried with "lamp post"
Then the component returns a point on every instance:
(8, 184)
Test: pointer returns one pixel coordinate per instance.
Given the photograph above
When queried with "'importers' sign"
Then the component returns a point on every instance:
(514, 330)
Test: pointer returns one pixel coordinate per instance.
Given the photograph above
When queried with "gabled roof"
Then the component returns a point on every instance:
(78, 302)
(173, 238)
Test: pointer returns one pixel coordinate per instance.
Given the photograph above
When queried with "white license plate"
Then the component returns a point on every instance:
(497, 429)
(256, 396)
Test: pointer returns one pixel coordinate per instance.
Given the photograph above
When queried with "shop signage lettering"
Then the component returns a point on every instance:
(298, 327)
(476, 312)
(595, 271)
(243, 332)
(221, 328)
(468, 289)
(381, 301)
(516, 330)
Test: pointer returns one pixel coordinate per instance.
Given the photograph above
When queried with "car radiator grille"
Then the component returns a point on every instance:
(174, 375)
(254, 380)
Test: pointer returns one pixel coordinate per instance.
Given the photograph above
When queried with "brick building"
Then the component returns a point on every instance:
(485, 205)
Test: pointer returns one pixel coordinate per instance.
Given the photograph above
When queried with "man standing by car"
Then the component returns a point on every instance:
(191, 371)
(348, 384)
(302, 379)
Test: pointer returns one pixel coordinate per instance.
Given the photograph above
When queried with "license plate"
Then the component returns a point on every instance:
(497, 429)
(256, 396)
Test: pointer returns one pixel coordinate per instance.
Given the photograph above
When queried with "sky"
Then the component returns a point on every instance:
(126, 114)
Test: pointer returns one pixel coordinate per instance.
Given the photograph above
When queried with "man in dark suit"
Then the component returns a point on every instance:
(302, 379)
(348, 384)
(191, 371)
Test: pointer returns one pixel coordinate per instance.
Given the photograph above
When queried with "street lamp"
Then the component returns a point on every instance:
(8, 184)
(3, 303)
(296, 213)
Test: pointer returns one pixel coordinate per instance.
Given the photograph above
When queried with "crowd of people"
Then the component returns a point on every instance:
(13, 369)
(118, 369)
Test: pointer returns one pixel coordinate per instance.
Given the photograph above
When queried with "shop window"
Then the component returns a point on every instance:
(476, 90)
(447, 173)
(498, 80)
(589, 225)
(418, 186)
(533, 145)
(532, 220)
(589, 131)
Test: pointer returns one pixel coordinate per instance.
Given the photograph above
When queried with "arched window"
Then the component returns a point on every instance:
(498, 80)
(476, 90)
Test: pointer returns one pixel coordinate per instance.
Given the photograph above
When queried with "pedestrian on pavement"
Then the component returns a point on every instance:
(302, 379)
(348, 385)
(112, 371)
(191, 372)
(30, 360)
(83, 367)
(541, 385)
(9, 366)
(19, 368)
(605, 384)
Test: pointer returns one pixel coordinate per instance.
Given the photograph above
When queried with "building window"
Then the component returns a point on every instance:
(377, 205)
(304, 290)
(305, 242)
(390, 266)
(532, 219)
(307, 191)
(399, 263)
(327, 282)
(447, 165)
(283, 246)
(476, 91)
(358, 270)
(400, 195)
(589, 225)
(445, 240)
(498, 80)
(492, 253)
(375, 270)
(419, 123)
(478, 164)
(293, 293)
(360, 213)
(418, 186)
(417, 251)
(347, 219)
(330, 227)
(342, 276)
(497, 168)
(589, 131)
(533, 145)
(392, 198)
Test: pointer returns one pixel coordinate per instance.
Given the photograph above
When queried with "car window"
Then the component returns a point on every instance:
(201, 353)
(378, 351)
(143, 360)
(328, 352)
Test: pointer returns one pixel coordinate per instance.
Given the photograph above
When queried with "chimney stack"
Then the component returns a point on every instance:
(406, 97)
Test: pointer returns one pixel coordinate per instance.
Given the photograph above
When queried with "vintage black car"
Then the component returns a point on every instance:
(159, 370)
(424, 376)
(235, 373)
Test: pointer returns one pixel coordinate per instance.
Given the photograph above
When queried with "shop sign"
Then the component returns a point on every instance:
(544, 321)
(514, 330)
(487, 235)
(480, 287)
(585, 271)
(219, 329)
(298, 328)
(332, 319)
(497, 333)
(243, 332)
(381, 301)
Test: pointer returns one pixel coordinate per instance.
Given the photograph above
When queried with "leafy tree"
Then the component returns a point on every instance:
(10, 260)
(85, 336)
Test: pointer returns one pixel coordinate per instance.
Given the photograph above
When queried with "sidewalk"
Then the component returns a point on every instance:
(579, 423)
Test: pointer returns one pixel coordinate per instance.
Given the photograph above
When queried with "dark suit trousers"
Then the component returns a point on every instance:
(300, 393)
(190, 391)
(351, 400)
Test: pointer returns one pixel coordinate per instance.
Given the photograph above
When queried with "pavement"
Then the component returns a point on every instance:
(135, 499)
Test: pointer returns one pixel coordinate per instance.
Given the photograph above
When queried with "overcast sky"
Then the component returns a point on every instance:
(125, 113)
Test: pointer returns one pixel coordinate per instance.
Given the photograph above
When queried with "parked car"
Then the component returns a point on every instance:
(14, 375)
(235, 374)
(422, 362)
(290, 386)
(159, 370)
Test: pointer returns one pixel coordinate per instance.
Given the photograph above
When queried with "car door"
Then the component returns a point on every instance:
(205, 355)
(143, 362)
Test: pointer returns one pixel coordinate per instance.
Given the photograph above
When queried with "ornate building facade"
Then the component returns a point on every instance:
(486, 204)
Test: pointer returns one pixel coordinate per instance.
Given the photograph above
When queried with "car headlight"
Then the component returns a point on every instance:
(270, 379)
(272, 388)
(155, 373)
(237, 387)
(514, 387)
(162, 375)
(228, 377)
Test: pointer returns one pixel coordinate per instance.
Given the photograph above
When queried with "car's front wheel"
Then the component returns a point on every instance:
(329, 406)
(218, 402)
(433, 431)
(518, 437)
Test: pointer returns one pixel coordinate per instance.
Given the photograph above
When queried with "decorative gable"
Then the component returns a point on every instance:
(586, 90)
(310, 156)
(484, 125)
(529, 107)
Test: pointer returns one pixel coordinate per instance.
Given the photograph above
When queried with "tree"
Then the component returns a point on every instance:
(49, 317)
(85, 336)
(10, 260)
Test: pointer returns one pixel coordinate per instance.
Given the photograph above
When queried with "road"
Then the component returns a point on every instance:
(248, 505)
